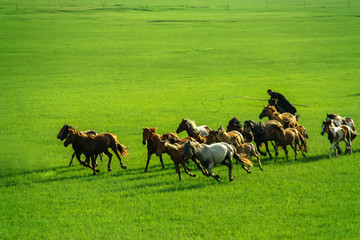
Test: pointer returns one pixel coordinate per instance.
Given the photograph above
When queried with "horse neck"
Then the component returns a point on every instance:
(155, 138)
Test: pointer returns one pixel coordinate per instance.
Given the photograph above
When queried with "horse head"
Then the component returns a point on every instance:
(182, 126)
(326, 126)
(188, 150)
(171, 137)
(63, 132)
(70, 137)
(234, 124)
(147, 132)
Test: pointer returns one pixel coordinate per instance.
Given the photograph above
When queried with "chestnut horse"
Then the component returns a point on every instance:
(92, 145)
(273, 114)
(338, 134)
(174, 151)
(153, 140)
(190, 127)
(283, 137)
(77, 151)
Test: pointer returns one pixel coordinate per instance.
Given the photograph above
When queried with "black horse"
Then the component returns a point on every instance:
(77, 150)
(234, 124)
(257, 131)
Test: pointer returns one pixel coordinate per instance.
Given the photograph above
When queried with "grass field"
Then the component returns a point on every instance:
(118, 66)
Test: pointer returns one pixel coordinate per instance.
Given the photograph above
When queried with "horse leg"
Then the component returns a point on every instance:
(267, 149)
(210, 166)
(257, 155)
(237, 157)
(338, 148)
(276, 147)
(161, 161)
(148, 161)
(331, 148)
(286, 152)
(200, 167)
(72, 157)
(93, 162)
(258, 148)
(118, 156)
(230, 166)
(110, 157)
(294, 146)
(187, 170)
(177, 169)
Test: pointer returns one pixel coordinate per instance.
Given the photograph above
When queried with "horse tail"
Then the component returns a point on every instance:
(353, 134)
(303, 142)
(351, 122)
(122, 149)
(243, 158)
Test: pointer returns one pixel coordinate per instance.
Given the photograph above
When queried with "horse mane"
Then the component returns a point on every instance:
(272, 108)
(235, 122)
(191, 122)
(332, 116)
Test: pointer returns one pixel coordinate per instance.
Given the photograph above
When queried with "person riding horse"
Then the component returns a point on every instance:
(280, 102)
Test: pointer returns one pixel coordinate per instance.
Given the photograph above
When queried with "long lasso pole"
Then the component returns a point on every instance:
(252, 98)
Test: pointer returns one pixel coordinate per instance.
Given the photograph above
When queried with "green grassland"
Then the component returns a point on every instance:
(118, 66)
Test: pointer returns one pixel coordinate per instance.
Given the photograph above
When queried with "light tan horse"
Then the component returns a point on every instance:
(272, 114)
(283, 137)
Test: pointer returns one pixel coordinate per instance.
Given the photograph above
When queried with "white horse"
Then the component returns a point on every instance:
(338, 134)
(210, 155)
(190, 127)
(338, 121)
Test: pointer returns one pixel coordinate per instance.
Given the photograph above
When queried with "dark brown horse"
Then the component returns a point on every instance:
(257, 131)
(92, 145)
(234, 124)
(153, 140)
(64, 131)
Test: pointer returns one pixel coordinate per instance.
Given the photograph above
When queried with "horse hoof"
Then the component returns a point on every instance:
(123, 167)
(109, 169)
(231, 179)
(97, 170)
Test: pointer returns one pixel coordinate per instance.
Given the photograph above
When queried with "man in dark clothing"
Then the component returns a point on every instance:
(280, 102)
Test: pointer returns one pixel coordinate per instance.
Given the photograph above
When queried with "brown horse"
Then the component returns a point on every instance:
(92, 145)
(153, 140)
(283, 137)
(190, 127)
(209, 139)
(174, 151)
(302, 131)
(272, 114)
(222, 136)
(77, 151)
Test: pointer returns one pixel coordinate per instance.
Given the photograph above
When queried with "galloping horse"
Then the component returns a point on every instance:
(174, 151)
(210, 155)
(92, 145)
(153, 140)
(246, 148)
(338, 134)
(338, 121)
(284, 137)
(234, 124)
(272, 114)
(258, 130)
(77, 151)
(190, 127)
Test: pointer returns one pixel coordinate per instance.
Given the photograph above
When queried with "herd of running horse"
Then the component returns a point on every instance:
(206, 147)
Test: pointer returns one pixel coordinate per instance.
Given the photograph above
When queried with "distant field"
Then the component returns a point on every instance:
(118, 66)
